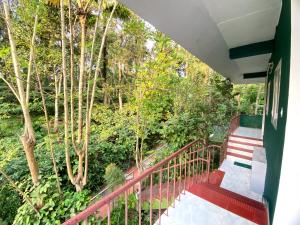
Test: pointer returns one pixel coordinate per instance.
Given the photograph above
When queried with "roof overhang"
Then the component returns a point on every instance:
(211, 29)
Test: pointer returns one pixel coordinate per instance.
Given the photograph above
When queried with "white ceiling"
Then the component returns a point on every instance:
(209, 28)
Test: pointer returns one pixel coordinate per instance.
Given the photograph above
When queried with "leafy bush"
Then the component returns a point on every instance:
(113, 175)
(118, 212)
(9, 203)
(53, 208)
(179, 130)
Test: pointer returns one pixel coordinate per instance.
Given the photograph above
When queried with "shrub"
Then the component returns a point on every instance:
(9, 203)
(53, 208)
(113, 175)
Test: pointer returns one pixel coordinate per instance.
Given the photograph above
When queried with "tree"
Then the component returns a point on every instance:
(81, 147)
(28, 138)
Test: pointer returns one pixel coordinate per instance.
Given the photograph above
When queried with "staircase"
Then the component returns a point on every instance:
(240, 148)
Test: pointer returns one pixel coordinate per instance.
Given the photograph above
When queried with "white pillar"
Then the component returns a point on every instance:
(287, 211)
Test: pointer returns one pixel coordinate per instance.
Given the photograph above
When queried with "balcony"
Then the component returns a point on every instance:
(198, 184)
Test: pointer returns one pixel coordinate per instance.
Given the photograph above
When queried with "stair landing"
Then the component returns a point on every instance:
(193, 210)
(235, 203)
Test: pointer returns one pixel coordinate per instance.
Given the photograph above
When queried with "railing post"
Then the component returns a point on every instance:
(160, 195)
(108, 213)
(168, 186)
(180, 167)
(197, 164)
(140, 203)
(174, 182)
(184, 174)
(151, 193)
(126, 208)
(208, 166)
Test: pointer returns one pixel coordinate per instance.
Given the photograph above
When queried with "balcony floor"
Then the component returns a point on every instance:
(248, 132)
(193, 210)
(237, 179)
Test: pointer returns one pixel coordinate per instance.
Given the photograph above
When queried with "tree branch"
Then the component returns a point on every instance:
(12, 183)
(11, 87)
(31, 54)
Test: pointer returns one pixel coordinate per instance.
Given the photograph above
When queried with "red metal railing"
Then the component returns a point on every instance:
(234, 124)
(154, 190)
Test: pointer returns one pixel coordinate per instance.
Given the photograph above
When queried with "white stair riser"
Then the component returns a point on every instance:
(240, 152)
(236, 159)
(248, 147)
(246, 140)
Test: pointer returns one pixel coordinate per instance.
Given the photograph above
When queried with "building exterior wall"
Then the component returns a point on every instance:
(274, 137)
(287, 211)
(253, 121)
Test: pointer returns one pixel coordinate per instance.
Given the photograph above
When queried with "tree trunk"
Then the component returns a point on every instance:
(31, 55)
(82, 19)
(28, 138)
(104, 71)
(137, 155)
(65, 85)
(57, 81)
(120, 86)
(72, 78)
(28, 146)
(91, 104)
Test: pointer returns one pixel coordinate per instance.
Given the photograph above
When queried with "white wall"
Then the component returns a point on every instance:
(287, 211)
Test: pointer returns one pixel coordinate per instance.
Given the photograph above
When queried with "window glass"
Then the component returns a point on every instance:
(276, 93)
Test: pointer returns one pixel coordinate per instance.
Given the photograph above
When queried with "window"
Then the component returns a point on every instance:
(276, 93)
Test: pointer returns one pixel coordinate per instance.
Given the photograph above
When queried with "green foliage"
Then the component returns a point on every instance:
(118, 212)
(52, 207)
(246, 97)
(179, 130)
(9, 203)
(113, 175)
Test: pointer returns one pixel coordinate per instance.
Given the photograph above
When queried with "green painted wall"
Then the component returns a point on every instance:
(254, 121)
(274, 138)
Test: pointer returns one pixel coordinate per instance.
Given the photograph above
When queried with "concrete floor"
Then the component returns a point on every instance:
(237, 179)
(248, 132)
(192, 210)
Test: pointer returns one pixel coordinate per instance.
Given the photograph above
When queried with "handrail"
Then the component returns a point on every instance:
(187, 171)
(234, 124)
(127, 175)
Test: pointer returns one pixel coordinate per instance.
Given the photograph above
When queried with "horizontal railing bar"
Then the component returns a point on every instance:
(107, 199)
(178, 165)
(214, 146)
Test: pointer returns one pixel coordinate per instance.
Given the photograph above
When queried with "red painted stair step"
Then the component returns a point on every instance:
(246, 137)
(235, 203)
(216, 177)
